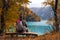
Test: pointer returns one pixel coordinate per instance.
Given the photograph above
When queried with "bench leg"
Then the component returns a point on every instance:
(12, 35)
(27, 35)
(16, 35)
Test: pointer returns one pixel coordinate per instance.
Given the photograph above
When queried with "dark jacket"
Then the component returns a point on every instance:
(24, 23)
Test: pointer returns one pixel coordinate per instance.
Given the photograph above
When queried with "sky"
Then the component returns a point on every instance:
(36, 3)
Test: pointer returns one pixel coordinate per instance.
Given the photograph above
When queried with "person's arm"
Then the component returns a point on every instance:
(24, 24)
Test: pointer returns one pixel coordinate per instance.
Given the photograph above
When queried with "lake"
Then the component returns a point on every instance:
(39, 27)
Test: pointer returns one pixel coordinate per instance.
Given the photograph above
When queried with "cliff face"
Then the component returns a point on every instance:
(28, 15)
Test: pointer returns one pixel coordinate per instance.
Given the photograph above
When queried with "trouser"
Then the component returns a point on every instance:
(24, 29)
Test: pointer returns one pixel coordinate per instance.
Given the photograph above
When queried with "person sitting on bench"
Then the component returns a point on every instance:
(21, 26)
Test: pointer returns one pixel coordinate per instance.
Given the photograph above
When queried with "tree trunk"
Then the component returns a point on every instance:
(56, 21)
(4, 11)
(2, 16)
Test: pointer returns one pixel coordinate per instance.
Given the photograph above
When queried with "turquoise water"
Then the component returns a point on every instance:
(39, 27)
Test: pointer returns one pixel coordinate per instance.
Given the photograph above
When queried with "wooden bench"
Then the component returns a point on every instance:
(25, 33)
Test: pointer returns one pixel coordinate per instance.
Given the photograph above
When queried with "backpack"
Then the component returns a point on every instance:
(19, 26)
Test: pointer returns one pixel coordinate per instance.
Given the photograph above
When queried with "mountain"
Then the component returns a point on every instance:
(43, 12)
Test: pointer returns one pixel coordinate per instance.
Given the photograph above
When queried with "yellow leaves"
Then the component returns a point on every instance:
(12, 14)
(49, 2)
(22, 1)
(0, 10)
(59, 1)
(58, 10)
(1, 4)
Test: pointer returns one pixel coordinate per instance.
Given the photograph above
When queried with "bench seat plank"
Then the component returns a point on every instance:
(24, 33)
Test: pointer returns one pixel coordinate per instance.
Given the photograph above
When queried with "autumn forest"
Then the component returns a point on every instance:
(11, 10)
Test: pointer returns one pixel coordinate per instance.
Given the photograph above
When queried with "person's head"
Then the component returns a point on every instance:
(21, 18)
